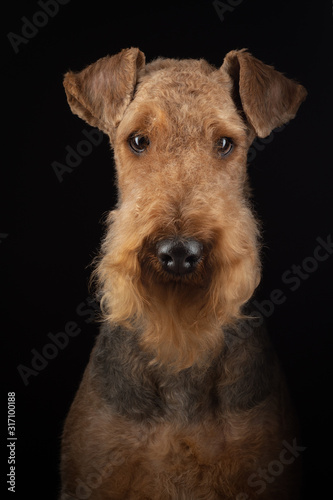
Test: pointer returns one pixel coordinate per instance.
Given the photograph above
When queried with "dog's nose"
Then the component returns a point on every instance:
(179, 256)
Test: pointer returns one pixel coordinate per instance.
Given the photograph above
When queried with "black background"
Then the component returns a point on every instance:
(51, 230)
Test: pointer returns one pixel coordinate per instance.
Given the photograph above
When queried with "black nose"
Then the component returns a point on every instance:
(179, 256)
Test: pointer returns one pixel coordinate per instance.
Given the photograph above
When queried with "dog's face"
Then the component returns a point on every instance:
(181, 254)
(180, 152)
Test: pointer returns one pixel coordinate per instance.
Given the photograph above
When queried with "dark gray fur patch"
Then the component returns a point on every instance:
(124, 379)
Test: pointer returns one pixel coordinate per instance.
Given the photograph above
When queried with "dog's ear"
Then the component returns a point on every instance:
(101, 92)
(267, 98)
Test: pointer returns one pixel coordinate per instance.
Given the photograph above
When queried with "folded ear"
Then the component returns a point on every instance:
(101, 92)
(268, 99)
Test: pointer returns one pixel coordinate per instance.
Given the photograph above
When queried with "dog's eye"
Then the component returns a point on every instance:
(138, 143)
(224, 146)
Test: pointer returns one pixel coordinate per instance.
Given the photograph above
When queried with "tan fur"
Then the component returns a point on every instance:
(179, 186)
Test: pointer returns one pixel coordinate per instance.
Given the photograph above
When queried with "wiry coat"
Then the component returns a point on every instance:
(183, 397)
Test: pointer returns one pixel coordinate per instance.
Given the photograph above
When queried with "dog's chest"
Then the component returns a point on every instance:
(150, 397)
(197, 443)
(137, 390)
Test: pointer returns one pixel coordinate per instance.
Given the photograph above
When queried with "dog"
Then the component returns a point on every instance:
(183, 397)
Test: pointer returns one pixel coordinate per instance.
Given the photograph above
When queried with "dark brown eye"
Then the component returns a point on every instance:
(224, 146)
(138, 143)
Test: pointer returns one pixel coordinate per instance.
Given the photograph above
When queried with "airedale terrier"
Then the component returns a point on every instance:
(177, 403)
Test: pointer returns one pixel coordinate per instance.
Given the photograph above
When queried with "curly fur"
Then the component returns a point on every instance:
(175, 404)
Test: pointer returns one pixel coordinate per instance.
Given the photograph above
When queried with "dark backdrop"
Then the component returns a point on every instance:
(50, 230)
